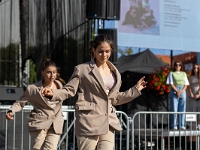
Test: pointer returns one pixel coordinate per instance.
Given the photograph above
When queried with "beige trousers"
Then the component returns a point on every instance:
(45, 139)
(100, 142)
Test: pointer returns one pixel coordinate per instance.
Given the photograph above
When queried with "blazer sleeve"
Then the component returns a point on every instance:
(127, 96)
(19, 104)
(69, 90)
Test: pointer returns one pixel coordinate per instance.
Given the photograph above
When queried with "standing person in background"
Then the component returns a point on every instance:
(97, 84)
(194, 92)
(46, 119)
(179, 82)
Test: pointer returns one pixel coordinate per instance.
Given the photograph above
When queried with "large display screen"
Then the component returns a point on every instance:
(160, 24)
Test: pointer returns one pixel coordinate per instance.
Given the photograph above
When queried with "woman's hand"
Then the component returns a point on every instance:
(9, 116)
(141, 84)
(196, 96)
(47, 92)
(191, 95)
(178, 94)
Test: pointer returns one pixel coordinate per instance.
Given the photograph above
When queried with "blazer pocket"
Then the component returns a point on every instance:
(86, 106)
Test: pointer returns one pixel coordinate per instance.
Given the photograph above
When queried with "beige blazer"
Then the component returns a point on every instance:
(44, 114)
(94, 108)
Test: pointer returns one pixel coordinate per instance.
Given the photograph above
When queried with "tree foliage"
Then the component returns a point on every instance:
(127, 51)
(9, 64)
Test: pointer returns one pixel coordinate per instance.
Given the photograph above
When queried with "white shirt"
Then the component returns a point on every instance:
(170, 79)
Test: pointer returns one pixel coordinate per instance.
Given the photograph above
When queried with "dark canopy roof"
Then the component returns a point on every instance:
(144, 62)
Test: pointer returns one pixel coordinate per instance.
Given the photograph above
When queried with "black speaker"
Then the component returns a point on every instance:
(113, 34)
(96, 9)
(113, 9)
(103, 9)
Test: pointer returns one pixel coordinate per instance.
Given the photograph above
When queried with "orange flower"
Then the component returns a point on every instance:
(157, 79)
(167, 91)
(157, 88)
(163, 86)
(165, 69)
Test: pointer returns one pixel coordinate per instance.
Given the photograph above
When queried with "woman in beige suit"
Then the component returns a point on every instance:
(46, 119)
(97, 84)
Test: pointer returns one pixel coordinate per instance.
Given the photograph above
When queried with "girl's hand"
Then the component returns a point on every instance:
(9, 116)
(47, 92)
(141, 84)
(178, 94)
(191, 95)
(196, 96)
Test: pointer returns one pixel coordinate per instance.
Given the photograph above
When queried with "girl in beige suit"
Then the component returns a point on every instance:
(97, 84)
(46, 120)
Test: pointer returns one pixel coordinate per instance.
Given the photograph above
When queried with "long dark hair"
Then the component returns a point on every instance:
(198, 73)
(178, 61)
(192, 72)
(60, 79)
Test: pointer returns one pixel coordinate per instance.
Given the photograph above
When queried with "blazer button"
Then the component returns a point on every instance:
(105, 114)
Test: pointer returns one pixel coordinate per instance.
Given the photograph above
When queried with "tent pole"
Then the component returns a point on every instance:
(172, 59)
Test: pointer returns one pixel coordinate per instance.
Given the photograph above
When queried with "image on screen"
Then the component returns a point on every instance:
(140, 17)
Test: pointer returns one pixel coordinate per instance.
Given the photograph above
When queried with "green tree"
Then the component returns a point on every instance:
(33, 75)
(9, 65)
(127, 51)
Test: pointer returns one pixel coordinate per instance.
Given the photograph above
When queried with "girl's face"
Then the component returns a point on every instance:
(178, 66)
(102, 53)
(49, 74)
(196, 68)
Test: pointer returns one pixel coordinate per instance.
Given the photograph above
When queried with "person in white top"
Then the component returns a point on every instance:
(178, 81)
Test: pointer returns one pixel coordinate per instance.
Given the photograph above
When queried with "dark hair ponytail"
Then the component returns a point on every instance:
(46, 63)
(60, 79)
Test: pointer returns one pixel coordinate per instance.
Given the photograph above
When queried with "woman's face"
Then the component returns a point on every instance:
(49, 74)
(178, 66)
(196, 69)
(102, 53)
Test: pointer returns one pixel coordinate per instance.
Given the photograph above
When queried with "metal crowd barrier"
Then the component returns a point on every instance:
(151, 130)
(14, 134)
(144, 131)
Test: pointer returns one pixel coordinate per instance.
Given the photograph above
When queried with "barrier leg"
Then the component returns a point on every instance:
(163, 143)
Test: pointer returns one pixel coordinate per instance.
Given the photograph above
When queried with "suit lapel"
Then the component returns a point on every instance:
(99, 79)
(97, 75)
(118, 79)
